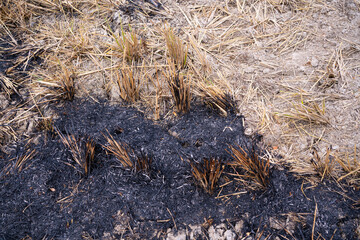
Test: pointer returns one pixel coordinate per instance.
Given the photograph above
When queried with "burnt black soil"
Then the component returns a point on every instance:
(50, 199)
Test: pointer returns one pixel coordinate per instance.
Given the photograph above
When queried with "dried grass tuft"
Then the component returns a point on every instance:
(120, 150)
(125, 155)
(256, 169)
(82, 151)
(129, 81)
(324, 166)
(8, 85)
(351, 167)
(143, 163)
(309, 112)
(56, 87)
(180, 89)
(177, 51)
(128, 45)
(207, 173)
(214, 97)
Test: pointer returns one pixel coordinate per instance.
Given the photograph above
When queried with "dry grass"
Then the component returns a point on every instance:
(324, 166)
(126, 156)
(308, 112)
(127, 45)
(351, 167)
(176, 49)
(226, 37)
(18, 164)
(120, 150)
(255, 169)
(82, 151)
(8, 85)
(214, 97)
(57, 87)
(180, 89)
(207, 173)
(129, 81)
(143, 163)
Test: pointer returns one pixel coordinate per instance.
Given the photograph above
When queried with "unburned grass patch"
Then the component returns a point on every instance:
(311, 112)
(127, 45)
(176, 49)
(60, 86)
(350, 164)
(129, 80)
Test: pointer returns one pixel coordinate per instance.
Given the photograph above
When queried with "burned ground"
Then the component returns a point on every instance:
(48, 198)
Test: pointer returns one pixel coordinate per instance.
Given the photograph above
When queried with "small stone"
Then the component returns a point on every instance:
(107, 236)
(180, 235)
(217, 232)
(195, 231)
(314, 62)
(239, 226)
(229, 235)
(248, 131)
(266, 70)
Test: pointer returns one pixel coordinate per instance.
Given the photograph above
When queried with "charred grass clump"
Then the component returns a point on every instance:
(126, 157)
(82, 150)
(256, 172)
(207, 173)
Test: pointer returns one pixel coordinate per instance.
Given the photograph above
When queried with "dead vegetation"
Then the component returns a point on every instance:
(214, 97)
(129, 80)
(351, 167)
(55, 87)
(127, 45)
(120, 150)
(207, 173)
(126, 156)
(82, 150)
(308, 112)
(16, 165)
(176, 49)
(256, 170)
(180, 88)
(323, 165)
